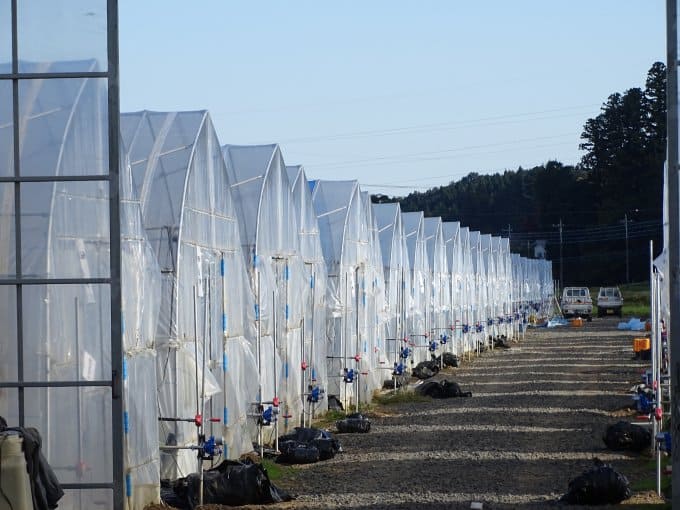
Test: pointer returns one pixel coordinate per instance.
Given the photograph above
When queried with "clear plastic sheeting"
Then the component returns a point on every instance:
(479, 288)
(419, 312)
(315, 344)
(468, 305)
(397, 273)
(373, 289)
(440, 288)
(346, 241)
(141, 296)
(202, 337)
(270, 240)
(453, 245)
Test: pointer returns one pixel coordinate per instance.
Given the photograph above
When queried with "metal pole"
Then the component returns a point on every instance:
(225, 336)
(625, 223)
(117, 389)
(276, 389)
(659, 390)
(357, 344)
(652, 302)
(258, 317)
(674, 231)
(312, 367)
(561, 257)
(302, 374)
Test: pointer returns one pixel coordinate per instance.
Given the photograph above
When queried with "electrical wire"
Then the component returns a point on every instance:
(421, 156)
(425, 128)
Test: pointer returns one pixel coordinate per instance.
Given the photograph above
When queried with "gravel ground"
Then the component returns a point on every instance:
(534, 422)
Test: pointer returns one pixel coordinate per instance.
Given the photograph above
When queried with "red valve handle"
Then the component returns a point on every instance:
(198, 420)
(276, 401)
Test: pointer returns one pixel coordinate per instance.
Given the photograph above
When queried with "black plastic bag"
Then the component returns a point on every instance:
(297, 452)
(230, 483)
(600, 485)
(425, 369)
(354, 423)
(322, 440)
(450, 360)
(442, 389)
(501, 342)
(627, 436)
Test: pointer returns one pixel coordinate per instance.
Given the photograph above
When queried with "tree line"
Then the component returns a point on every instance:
(619, 178)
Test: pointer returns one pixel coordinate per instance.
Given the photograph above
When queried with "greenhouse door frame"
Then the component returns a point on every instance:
(115, 382)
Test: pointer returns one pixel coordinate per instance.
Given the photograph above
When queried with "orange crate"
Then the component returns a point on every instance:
(577, 322)
(641, 344)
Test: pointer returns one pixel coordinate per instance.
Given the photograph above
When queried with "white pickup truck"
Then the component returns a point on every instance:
(576, 302)
(609, 299)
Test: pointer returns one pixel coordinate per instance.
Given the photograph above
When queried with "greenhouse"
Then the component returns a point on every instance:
(419, 313)
(451, 233)
(268, 220)
(396, 269)
(202, 338)
(345, 239)
(440, 288)
(480, 290)
(373, 295)
(468, 290)
(313, 330)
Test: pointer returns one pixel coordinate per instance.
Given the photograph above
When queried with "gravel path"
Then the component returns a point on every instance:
(534, 422)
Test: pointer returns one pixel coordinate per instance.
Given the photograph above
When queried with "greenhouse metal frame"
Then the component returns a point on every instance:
(97, 375)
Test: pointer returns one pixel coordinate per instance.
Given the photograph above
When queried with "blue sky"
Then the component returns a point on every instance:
(393, 93)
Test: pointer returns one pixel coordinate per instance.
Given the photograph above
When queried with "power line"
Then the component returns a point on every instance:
(416, 156)
(485, 121)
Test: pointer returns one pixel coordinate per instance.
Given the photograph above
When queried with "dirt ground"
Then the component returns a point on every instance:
(534, 422)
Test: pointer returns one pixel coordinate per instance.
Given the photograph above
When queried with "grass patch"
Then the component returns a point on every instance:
(636, 299)
(649, 484)
(328, 420)
(274, 470)
(399, 397)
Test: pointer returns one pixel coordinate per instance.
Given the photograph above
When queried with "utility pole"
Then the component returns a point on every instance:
(625, 225)
(560, 225)
(673, 231)
(509, 231)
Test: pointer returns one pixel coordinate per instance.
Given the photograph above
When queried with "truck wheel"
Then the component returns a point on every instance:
(589, 318)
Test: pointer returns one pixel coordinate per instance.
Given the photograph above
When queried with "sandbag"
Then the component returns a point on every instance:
(354, 423)
(232, 483)
(322, 440)
(442, 389)
(600, 485)
(627, 436)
